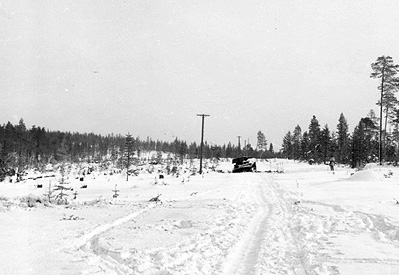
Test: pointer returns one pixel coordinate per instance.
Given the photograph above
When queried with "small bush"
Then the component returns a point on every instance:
(32, 200)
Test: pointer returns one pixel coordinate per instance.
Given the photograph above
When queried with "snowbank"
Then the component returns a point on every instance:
(366, 175)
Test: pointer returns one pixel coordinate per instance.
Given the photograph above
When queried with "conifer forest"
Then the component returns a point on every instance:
(22, 148)
(375, 138)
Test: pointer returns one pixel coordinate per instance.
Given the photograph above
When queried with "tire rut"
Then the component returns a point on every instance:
(246, 252)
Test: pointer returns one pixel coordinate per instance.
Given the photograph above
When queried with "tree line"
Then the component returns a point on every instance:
(21, 147)
(374, 139)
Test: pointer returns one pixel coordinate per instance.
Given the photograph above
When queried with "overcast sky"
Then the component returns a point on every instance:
(149, 67)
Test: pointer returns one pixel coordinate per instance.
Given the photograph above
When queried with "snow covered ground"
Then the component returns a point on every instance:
(305, 220)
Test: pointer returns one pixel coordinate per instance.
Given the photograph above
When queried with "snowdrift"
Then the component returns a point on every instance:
(366, 175)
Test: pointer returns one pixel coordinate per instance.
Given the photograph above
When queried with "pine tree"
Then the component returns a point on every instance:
(364, 142)
(325, 142)
(271, 150)
(358, 146)
(334, 145)
(296, 142)
(371, 115)
(314, 138)
(128, 153)
(395, 133)
(305, 146)
(385, 69)
(342, 138)
(389, 103)
(262, 142)
(287, 146)
(183, 148)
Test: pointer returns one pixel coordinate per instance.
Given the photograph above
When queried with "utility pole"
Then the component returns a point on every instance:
(202, 139)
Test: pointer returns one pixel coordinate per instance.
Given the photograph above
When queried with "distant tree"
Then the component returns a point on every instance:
(183, 148)
(159, 157)
(229, 150)
(364, 142)
(389, 103)
(386, 70)
(390, 148)
(334, 145)
(314, 138)
(287, 148)
(305, 146)
(261, 141)
(9, 139)
(358, 146)
(271, 150)
(325, 142)
(296, 142)
(342, 138)
(372, 116)
(248, 150)
(207, 150)
(216, 151)
(395, 133)
(62, 150)
(128, 153)
(193, 150)
(21, 138)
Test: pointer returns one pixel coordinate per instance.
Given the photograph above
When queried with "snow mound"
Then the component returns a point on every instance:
(366, 175)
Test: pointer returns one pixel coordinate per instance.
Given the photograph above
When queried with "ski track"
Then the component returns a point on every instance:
(101, 260)
(86, 239)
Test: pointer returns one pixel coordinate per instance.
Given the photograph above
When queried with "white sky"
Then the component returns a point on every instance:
(149, 67)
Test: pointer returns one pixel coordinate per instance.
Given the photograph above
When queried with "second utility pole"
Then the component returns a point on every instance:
(202, 140)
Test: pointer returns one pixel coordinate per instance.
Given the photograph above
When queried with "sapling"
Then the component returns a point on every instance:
(61, 197)
(49, 193)
(116, 192)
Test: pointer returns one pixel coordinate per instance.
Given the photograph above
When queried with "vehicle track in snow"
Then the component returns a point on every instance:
(268, 246)
(252, 235)
(244, 256)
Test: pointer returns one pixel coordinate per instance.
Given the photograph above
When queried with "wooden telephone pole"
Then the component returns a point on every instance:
(202, 139)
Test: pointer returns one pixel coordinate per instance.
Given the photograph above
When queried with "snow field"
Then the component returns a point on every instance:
(303, 221)
(350, 225)
(193, 237)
